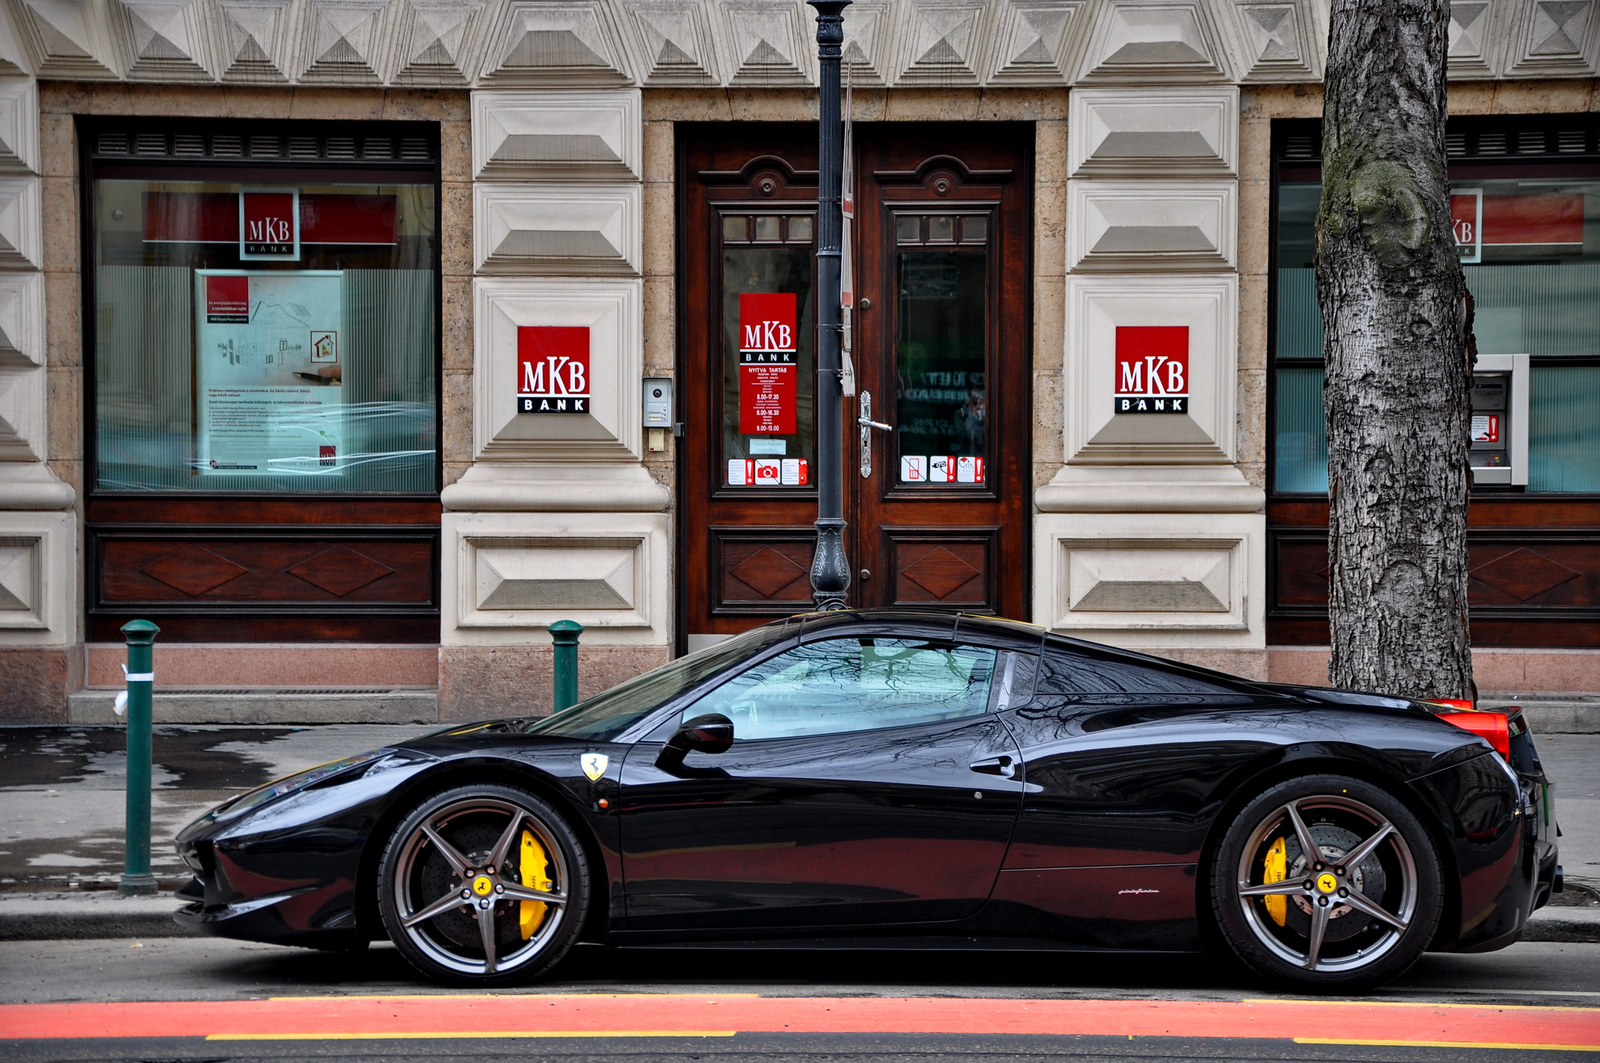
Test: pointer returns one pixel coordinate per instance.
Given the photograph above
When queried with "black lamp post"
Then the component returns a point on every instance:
(830, 569)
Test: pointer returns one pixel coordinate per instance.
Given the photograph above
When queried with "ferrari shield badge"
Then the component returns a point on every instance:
(593, 764)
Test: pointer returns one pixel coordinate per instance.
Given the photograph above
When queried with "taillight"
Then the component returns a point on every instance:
(1464, 704)
(1493, 726)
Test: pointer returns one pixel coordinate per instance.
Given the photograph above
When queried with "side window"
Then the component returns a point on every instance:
(1065, 672)
(853, 684)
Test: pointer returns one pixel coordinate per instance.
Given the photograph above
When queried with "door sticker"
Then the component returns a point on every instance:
(796, 472)
(941, 469)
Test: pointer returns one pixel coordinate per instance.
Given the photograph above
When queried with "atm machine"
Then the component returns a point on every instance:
(1499, 453)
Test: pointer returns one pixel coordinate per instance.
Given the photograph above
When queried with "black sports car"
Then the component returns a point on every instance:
(907, 780)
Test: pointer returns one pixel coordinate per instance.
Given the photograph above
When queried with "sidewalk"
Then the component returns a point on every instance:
(62, 808)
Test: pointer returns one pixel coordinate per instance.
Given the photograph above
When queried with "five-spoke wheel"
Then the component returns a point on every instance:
(484, 885)
(1327, 881)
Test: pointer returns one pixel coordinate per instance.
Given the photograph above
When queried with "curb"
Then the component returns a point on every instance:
(94, 916)
(87, 916)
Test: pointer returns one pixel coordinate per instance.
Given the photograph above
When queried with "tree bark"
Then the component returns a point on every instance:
(1398, 328)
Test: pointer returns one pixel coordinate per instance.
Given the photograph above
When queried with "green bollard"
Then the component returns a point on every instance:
(136, 877)
(564, 633)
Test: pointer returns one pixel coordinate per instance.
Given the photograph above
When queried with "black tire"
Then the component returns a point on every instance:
(442, 859)
(1376, 916)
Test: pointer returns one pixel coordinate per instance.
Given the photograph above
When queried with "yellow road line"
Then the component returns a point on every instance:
(461, 1034)
(1414, 1004)
(1446, 1044)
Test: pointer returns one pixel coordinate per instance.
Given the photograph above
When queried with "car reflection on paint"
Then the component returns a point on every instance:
(909, 780)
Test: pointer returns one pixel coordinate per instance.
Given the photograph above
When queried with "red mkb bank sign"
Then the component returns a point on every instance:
(552, 369)
(768, 373)
(1152, 370)
(269, 224)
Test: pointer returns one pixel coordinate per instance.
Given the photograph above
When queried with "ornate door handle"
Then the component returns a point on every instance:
(867, 424)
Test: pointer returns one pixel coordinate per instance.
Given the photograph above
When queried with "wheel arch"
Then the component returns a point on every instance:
(1252, 786)
(464, 772)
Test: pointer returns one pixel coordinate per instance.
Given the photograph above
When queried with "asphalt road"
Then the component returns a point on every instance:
(234, 1001)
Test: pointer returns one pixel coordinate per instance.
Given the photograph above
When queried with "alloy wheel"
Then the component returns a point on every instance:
(479, 887)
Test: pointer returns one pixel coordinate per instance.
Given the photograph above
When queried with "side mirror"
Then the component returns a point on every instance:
(711, 733)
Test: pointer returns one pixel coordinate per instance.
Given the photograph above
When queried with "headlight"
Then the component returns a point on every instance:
(290, 783)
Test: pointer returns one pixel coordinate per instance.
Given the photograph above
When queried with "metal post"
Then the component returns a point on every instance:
(830, 569)
(136, 877)
(564, 633)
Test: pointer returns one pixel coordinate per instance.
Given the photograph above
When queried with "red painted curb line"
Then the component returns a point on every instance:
(578, 1015)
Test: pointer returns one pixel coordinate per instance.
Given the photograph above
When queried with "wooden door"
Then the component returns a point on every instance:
(943, 346)
(949, 366)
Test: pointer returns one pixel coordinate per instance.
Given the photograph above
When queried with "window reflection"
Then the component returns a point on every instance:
(842, 685)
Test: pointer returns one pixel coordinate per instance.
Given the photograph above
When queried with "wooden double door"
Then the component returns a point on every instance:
(940, 337)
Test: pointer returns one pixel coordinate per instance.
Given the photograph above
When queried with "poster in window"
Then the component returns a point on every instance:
(768, 373)
(269, 372)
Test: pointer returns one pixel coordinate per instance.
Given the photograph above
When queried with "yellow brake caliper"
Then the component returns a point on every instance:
(533, 865)
(1276, 870)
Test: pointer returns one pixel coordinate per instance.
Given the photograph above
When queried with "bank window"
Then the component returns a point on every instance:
(1525, 203)
(265, 308)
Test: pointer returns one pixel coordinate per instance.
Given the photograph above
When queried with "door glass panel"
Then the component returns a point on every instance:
(941, 400)
(768, 428)
(853, 685)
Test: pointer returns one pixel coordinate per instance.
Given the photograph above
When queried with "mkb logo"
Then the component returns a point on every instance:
(269, 224)
(1152, 369)
(552, 369)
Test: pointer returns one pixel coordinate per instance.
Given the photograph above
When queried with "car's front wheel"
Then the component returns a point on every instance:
(483, 885)
(1327, 882)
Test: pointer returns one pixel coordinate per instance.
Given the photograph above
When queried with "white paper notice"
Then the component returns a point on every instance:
(270, 369)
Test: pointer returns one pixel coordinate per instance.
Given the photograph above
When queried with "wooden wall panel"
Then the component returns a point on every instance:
(307, 582)
(1526, 586)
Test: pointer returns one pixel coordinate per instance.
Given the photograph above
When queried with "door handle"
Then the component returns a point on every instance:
(1002, 766)
(867, 424)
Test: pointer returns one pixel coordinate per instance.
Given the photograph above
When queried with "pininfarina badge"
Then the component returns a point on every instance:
(593, 764)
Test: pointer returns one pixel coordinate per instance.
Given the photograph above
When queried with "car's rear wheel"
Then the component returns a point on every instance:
(1327, 882)
(483, 885)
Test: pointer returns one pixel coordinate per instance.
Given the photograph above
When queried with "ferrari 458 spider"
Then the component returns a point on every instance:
(857, 780)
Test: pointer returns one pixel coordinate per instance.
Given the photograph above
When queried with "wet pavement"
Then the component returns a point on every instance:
(62, 804)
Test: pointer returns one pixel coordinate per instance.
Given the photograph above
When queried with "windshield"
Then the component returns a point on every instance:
(607, 715)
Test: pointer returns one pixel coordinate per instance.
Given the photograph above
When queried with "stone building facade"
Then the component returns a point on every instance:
(607, 166)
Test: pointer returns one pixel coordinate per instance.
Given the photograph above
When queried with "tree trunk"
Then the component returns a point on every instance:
(1398, 329)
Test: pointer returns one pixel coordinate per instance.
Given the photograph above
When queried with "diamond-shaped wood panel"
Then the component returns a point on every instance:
(340, 570)
(194, 570)
(1522, 574)
(766, 571)
(944, 572)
